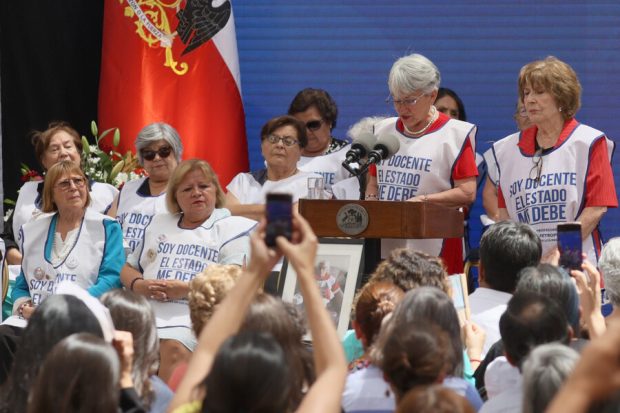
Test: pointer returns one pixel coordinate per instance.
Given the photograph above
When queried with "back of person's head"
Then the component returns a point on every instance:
(207, 290)
(544, 371)
(249, 374)
(609, 264)
(530, 320)
(80, 374)
(373, 302)
(433, 399)
(555, 283)
(57, 317)
(269, 314)
(426, 305)
(410, 269)
(132, 312)
(505, 249)
(417, 355)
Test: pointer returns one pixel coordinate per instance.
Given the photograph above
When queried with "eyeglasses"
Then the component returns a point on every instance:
(65, 185)
(314, 124)
(406, 102)
(163, 153)
(536, 170)
(286, 140)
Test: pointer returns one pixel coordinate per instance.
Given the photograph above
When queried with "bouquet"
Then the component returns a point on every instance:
(103, 163)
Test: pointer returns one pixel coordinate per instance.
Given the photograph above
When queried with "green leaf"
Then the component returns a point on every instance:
(93, 128)
(105, 132)
(85, 145)
(117, 137)
(9, 202)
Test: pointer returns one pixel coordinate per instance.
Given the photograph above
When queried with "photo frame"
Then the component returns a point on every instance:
(460, 296)
(338, 268)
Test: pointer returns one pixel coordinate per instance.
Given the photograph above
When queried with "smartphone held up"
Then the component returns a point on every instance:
(569, 245)
(279, 211)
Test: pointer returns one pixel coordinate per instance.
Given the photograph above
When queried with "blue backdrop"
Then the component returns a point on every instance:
(348, 47)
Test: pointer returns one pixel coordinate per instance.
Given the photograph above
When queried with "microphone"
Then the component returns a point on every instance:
(360, 147)
(386, 146)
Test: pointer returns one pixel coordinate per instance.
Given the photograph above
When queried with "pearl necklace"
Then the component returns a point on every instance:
(425, 128)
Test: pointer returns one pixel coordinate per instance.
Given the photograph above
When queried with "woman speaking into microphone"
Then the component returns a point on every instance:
(435, 162)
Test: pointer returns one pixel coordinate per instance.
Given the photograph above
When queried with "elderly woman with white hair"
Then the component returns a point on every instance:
(609, 264)
(436, 161)
(159, 150)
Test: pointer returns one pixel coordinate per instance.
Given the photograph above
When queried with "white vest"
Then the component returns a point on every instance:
(135, 211)
(82, 264)
(248, 191)
(173, 253)
(101, 197)
(421, 166)
(329, 166)
(559, 195)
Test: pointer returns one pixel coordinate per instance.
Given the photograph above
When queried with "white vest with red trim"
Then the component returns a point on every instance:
(559, 195)
(421, 166)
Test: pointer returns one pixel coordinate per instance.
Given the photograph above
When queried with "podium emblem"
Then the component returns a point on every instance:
(352, 219)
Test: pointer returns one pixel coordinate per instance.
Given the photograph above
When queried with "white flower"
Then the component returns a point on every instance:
(8, 214)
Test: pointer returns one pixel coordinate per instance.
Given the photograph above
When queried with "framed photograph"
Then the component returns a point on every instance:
(460, 296)
(337, 270)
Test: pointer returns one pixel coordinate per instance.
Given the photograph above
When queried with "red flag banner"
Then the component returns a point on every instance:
(175, 61)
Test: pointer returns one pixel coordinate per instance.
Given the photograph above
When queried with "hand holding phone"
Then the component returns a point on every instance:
(279, 211)
(569, 245)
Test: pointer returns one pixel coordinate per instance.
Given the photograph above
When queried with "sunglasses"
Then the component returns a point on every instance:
(163, 152)
(314, 124)
(65, 185)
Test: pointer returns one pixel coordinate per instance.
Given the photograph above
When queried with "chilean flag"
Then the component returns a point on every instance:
(175, 62)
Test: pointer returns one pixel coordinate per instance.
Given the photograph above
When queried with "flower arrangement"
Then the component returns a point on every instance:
(103, 163)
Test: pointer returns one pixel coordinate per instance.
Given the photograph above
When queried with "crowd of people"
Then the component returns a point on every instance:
(169, 312)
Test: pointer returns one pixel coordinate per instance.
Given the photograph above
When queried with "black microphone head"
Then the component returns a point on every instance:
(365, 140)
(389, 143)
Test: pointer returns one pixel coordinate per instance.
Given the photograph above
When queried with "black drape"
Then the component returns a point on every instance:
(50, 52)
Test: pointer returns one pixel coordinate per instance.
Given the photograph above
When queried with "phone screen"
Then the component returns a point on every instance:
(569, 244)
(279, 217)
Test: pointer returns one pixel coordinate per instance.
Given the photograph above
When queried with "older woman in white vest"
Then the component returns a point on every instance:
(159, 151)
(70, 243)
(59, 142)
(436, 161)
(559, 169)
(177, 245)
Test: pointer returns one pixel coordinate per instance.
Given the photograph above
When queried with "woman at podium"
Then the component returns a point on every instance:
(435, 162)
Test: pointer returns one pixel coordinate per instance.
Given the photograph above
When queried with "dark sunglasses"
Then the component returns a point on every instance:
(163, 152)
(314, 124)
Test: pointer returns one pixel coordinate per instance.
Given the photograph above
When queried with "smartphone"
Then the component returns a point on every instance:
(569, 244)
(279, 210)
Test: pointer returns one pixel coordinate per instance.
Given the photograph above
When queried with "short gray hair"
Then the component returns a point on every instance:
(609, 263)
(157, 131)
(412, 73)
(544, 371)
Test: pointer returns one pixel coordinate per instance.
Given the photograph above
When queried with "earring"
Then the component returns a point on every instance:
(560, 110)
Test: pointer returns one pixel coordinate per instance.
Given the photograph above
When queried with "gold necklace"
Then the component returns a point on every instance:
(424, 129)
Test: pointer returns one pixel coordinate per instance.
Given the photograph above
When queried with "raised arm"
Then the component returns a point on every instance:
(228, 318)
(330, 364)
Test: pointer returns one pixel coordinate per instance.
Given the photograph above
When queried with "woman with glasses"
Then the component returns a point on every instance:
(159, 151)
(59, 142)
(70, 243)
(435, 162)
(558, 170)
(175, 246)
(282, 140)
(323, 153)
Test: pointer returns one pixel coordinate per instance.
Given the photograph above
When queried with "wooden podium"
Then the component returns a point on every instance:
(386, 219)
